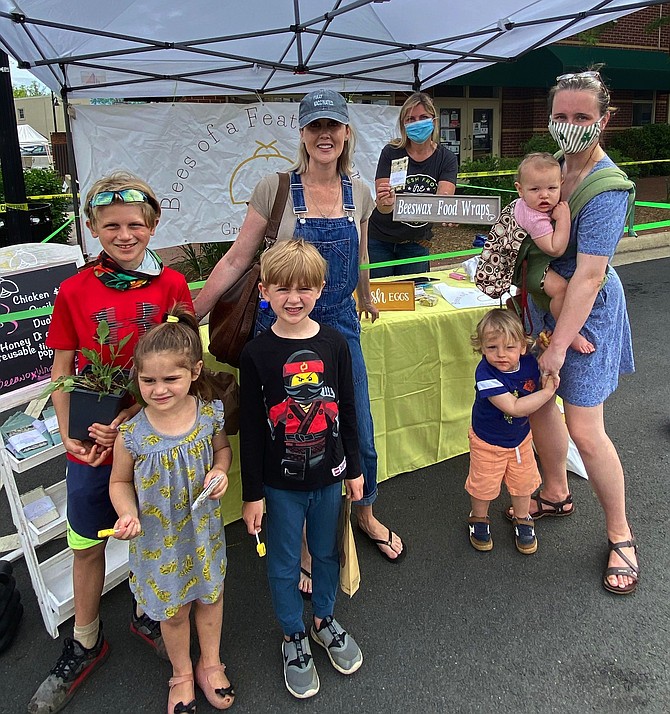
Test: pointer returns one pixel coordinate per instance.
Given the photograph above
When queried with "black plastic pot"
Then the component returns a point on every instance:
(87, 407)
(11, 609)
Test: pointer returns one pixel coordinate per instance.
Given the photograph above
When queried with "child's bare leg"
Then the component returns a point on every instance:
(480, 509)
(555, 287)
(176, 633)
(208, 623)
(521, 506)
(305, 582)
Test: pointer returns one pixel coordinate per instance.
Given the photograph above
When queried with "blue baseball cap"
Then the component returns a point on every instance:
(322, 104)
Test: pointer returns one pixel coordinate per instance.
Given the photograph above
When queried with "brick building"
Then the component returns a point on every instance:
(496, 109)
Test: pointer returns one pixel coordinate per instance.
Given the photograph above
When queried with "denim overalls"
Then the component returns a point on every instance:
(337, 240)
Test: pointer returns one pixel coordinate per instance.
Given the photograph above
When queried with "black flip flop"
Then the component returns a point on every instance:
(378, 542)
(303, 594)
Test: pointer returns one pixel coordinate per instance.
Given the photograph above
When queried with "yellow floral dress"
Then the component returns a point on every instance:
(180, 556)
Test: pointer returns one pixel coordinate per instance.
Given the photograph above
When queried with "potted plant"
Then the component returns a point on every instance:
(97, 393)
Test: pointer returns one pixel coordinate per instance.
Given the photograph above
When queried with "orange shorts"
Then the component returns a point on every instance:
(491, 465)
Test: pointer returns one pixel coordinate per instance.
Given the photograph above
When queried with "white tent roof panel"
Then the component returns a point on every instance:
(141, 48)
(30, 137)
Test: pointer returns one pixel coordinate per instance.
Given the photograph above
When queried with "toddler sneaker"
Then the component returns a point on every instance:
(343, 652)
(480, 533)
(300, 675)
(524, 535)
(74, 665)
(149, 631)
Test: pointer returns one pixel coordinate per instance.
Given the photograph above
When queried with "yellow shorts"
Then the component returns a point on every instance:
(490, 466)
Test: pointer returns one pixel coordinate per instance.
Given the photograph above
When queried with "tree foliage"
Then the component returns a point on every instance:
(34, 89)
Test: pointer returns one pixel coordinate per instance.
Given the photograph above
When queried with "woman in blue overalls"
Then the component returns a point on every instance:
(330, 211)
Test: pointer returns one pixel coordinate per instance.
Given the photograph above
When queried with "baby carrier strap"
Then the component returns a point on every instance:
(611, 178)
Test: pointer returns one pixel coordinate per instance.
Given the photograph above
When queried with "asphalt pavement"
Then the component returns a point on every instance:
(449, 629)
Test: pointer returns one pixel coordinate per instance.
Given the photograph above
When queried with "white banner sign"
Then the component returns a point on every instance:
(204, 160)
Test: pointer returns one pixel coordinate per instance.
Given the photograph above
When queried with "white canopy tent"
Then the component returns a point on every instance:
(30, 137)
(35, 148)
(154, 48)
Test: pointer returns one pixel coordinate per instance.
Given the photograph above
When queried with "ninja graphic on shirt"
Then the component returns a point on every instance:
(308, 413)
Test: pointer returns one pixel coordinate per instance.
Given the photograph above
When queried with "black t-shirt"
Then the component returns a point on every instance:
(422, 177)
(298, 426)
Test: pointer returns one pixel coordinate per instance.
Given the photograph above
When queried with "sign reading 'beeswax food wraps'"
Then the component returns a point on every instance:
(392, 296)
(428, 208)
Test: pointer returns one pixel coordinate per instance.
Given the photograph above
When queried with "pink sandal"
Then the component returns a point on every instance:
(180, 707)
(219, 697)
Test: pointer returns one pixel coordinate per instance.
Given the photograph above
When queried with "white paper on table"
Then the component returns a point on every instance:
(465, 297)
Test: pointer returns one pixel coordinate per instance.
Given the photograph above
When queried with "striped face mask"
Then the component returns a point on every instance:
(573, 138)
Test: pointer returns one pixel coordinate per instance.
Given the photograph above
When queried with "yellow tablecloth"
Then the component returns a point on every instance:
(420, 371)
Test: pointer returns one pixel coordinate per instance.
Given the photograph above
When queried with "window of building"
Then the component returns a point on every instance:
(449, 90)
(475, 92)
(22, 113)
(643, 107)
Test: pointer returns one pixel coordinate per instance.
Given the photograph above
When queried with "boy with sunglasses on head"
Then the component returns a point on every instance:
(128, 287)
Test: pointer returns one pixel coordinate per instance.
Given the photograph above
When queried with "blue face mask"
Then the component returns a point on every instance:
(419, 131)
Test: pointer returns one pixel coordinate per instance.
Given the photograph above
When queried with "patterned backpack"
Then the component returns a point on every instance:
(509, 252)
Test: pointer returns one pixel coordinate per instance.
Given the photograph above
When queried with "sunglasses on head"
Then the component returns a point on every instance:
(575, 75)
(126, 195)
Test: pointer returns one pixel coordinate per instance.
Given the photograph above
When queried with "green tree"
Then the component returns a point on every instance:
(34, 89)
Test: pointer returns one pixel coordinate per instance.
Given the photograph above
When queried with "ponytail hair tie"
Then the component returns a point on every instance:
(170, 318)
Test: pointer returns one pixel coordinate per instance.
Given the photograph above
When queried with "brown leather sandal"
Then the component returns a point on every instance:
(556, 509)
(632, 571)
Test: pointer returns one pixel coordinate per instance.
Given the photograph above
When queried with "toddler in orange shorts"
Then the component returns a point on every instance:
(508, 389)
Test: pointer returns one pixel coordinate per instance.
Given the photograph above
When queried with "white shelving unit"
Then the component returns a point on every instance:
(52, 578)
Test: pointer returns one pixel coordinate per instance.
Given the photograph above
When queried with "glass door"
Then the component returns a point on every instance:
(481, 134)
(470, 128)
(450, 129)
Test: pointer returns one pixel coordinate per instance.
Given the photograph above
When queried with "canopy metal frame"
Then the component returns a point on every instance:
(308, 70)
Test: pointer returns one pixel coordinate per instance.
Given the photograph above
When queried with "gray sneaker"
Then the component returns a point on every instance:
(73, 667)
(344, 654)
(300, 673)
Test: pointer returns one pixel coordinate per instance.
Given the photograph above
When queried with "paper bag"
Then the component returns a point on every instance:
(350, 574)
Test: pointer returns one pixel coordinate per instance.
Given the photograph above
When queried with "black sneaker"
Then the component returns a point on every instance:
(150, 631)
(74, 665)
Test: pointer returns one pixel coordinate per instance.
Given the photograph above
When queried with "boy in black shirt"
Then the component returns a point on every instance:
(298, 440)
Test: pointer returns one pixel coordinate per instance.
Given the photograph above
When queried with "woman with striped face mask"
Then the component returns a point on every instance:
(595, 305)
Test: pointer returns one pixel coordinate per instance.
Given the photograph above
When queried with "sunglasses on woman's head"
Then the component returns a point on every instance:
(575, 75)
(126, 195)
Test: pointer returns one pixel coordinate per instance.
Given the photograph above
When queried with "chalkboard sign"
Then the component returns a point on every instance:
(24, 356)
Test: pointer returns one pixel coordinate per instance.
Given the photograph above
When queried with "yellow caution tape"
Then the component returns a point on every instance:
(52, 195)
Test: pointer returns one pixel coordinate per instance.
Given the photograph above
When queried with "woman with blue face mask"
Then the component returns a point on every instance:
(430, 168)
(595, 305)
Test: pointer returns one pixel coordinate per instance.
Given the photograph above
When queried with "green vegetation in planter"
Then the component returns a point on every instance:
(98, 376)
(198, 260)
